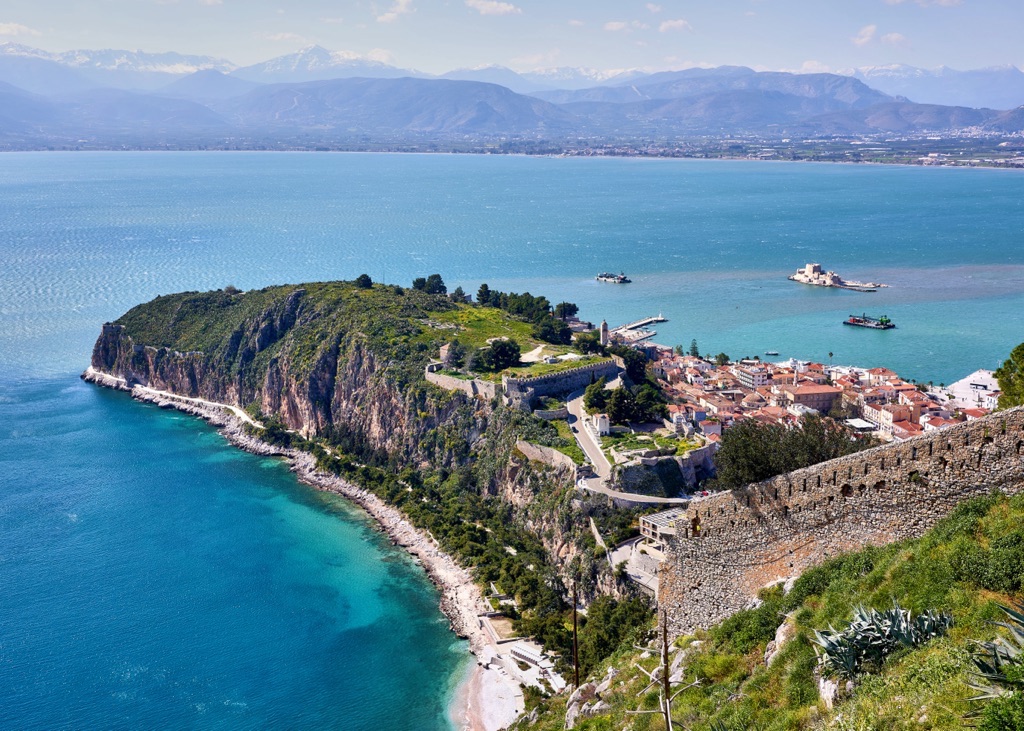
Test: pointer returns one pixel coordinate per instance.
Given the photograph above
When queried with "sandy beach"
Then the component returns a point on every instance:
(489, 698)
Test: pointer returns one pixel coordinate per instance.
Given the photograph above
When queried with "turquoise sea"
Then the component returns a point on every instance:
(152, 576)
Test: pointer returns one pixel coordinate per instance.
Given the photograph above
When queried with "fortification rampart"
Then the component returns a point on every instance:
(474, 387)
(562, 382)
(737, 542)
(547, 455)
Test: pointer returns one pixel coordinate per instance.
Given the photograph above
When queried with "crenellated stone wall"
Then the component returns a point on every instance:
(527, 389)
(737, 542)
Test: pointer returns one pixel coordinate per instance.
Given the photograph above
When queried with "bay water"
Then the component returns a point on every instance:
(151, 575)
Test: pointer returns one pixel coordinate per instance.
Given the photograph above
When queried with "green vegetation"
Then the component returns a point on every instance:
(999, 677)
(872, 635)
(546, 369)
(568, 444)
(921, 687)
(501, 354)
(431, 285)
(595, 397)
(751, 451)
(475, 326)
(626, 441)
(1011, 379)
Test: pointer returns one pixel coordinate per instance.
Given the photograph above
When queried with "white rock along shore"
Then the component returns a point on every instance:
(491, 699)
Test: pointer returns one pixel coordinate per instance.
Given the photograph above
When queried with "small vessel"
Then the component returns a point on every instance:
(876, 323)
(771, 352)
(613, 278)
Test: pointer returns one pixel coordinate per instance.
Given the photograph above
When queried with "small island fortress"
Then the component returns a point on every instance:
(813, 274)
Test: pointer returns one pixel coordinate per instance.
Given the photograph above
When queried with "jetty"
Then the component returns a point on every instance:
(639, 324)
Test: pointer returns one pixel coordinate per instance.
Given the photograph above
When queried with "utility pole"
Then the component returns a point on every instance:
(575, 641)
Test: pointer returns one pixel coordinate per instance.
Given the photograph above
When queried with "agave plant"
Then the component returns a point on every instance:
(872, 635)
(1000, 663)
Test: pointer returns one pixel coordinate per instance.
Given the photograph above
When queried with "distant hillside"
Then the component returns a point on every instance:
(994, 88)
(316, 63)
(40, 75)
(109, 67)
(417, 106)
(500, 75)
(380, 104)
(901, 117)
(841, 90)
(207, 85)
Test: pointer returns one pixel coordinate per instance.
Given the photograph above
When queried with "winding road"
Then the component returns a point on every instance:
(590, 446)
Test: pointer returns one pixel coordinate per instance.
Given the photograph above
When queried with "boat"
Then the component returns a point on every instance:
(613, 278)
(875, 323)
(771, 352)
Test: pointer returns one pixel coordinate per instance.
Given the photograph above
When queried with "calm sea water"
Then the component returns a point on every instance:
(150, 575)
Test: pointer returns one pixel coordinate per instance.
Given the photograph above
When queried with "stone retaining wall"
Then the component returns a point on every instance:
(740, 541)
(552, 414)
(474, 387)
(547, 455)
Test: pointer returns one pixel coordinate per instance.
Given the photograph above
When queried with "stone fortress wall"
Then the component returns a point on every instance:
(527, 389)
(474, 387)
(735, 543)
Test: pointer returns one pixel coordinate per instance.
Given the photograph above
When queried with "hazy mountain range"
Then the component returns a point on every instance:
(317, 96)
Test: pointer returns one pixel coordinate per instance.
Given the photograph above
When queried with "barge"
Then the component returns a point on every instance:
(875, 323)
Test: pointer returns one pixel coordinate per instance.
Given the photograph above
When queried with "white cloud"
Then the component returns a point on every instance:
(493, 7)
(17, 29)
(576, 23)
(895, 39)
(400, 8)
(654, 8)
(677, 24)
(865, 35)
(211, 2)
(621, 25)
(380, 55)
(332, 21)
(814, 67)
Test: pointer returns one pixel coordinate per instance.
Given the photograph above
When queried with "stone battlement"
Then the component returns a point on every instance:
(739, 541)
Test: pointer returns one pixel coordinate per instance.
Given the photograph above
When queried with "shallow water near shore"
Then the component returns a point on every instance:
(152, 575)
(156, 577)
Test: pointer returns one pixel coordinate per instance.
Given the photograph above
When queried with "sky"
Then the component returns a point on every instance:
(439, 35)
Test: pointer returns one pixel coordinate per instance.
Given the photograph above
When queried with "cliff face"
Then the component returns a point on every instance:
(315, 377)
(332, 361)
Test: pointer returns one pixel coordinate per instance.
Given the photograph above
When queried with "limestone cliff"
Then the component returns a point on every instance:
(345, 364)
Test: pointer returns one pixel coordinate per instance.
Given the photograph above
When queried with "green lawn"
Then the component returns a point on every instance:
(546, 369)
(573, 449)
(477, 325)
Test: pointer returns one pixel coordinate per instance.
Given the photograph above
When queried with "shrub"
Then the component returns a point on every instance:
(872, 636)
